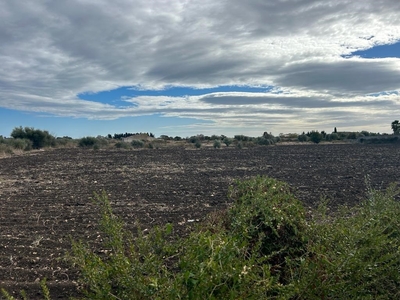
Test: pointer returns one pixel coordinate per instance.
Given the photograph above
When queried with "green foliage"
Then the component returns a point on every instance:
(227, 141)
(315, 137)
(45, 292)
(137, 144)
(354, 254)
(396, 127)
(122, 145)
(217, 144)
(334, 136)
(6, 149)
(128, 269)
(302, 138)
(197, 144)
(270, 219)
(64, 142)
(262, 247)
(21, 144)
(88, 142)
(39, 138)
(265, 141)
(242, 138)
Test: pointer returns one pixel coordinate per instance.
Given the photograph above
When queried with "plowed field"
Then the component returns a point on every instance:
(45, 196)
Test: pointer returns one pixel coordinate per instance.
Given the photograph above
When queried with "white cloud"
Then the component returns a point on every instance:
(54, 50)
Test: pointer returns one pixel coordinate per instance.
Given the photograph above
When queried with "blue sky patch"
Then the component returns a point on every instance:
(382, 51)
(115, 97)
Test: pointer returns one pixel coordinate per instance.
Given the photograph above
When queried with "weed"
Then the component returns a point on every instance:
(43, 286)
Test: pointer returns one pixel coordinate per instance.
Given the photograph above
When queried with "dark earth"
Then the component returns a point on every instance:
(45, 196)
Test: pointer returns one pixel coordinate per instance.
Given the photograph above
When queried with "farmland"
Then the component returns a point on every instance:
(45, 196)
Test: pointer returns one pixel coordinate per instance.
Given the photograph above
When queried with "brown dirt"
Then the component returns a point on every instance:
(45, 197)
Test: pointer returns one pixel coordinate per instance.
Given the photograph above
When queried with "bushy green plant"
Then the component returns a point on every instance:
(302, 138)
(265, 141)
(315, 137)
(21, 144)
(6, 149)
(227, 141)
(354, 254)
(262, 247)
(334, 136)
(268, 216)
(39, 138)
(88, 142)
(197, 144)
(137, 144)
(122, 145)
(127, 270)
(217, 144)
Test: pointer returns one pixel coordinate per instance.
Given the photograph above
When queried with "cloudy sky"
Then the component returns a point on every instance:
(92, 67)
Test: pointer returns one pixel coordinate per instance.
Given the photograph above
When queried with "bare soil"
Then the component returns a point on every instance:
(45, 196)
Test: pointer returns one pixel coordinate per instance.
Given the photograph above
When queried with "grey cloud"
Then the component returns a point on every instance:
(345, 76)
(51, 51)
(297, 102)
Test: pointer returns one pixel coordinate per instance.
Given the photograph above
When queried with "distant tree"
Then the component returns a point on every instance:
(227, 141)
(165, 137)
(302, 138)
(334, 136)
(39, 138)
(315, 137)
(396, 127)
(335, 130)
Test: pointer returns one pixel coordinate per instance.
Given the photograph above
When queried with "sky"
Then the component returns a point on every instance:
(184, 67)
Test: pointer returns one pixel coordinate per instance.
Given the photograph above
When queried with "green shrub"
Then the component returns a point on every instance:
(354, 254)
(302, 138)
(39, 138)
(21, 144)
(197, 144)
(315, 137)
(334, 136)
(128, 269)
(217, 144)
(262, 247)
(122, 145)
(227, 141)
(265, 141)
(269, 218)
(88, 142)
(137, 144)
(6, 149)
